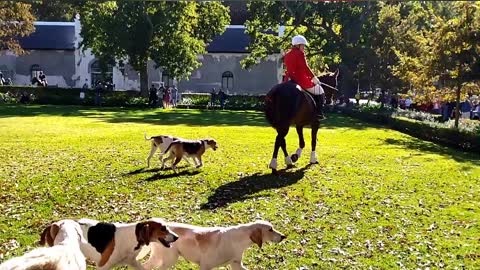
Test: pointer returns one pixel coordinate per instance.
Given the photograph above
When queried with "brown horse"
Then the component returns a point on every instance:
(286, 105)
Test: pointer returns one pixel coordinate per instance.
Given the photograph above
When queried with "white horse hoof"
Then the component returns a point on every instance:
(273, 164)
(313, 158)
(297, 155)
(288, 161)
(299, 152)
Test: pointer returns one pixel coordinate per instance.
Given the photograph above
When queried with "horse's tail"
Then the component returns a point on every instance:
(270, 107)
(269, 110)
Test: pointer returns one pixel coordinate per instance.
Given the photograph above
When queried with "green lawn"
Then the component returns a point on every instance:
(379, 198)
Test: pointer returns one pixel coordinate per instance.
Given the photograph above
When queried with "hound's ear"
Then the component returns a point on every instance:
(143, 232)
(257, 237)
(48, 235)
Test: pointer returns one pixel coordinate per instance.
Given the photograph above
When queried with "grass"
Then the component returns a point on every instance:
(378, 199)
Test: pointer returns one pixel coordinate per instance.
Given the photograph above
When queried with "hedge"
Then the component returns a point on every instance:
(232, 102)
(71, 96)
(441, 135)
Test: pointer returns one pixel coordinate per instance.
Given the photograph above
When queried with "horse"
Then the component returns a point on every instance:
(286, 104)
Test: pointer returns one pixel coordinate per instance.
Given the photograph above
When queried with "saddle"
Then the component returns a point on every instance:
(296, 86)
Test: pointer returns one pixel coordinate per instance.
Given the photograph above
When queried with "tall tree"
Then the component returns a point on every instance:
(455, 53)
(442, 52)
(170, 33)
(56, 10)
(337, 32)
(16, 20)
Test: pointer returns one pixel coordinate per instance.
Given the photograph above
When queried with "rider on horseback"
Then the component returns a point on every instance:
(299, 72)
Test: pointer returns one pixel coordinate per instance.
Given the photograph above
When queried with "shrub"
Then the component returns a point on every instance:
(71, 96)
(416, 115)
(233, 102)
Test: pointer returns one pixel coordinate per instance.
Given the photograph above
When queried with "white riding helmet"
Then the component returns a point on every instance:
(299, 39)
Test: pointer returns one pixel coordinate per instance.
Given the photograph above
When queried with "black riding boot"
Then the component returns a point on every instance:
(320, 100)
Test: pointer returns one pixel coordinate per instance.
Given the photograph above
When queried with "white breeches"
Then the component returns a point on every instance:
(316, 90)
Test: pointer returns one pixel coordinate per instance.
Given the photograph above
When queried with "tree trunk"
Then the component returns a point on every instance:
(457, 105)
(144, 81)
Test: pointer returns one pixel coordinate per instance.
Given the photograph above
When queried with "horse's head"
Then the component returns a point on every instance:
(330, 81)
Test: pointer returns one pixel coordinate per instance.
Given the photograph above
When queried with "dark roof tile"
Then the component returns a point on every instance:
(233, 40)
(50, 37)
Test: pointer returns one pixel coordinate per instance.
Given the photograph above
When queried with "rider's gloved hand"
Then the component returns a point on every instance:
(315, 80)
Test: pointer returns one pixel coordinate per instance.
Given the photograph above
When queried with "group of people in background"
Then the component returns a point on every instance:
(221, 96)
(469, 107)
(5, 81)
(167, 95)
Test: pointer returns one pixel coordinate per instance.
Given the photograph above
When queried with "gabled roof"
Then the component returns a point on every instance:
(233, 40)
(50, 36)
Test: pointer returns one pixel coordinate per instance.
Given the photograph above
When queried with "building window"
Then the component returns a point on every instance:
(35, 71)
(98, 75)
(227, 80)
(167, 81)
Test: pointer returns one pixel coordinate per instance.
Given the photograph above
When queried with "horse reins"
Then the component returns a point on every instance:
(322, 83)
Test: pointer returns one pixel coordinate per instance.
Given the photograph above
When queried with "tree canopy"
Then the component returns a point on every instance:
(16, 20)
(170, 33)
(56, 10)
(395, 46)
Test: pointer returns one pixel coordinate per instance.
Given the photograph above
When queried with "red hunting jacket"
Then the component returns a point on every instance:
(297, 68)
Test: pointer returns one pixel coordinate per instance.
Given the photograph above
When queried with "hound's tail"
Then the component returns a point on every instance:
(145, 136)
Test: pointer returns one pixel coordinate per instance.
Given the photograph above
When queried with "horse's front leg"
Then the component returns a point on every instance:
(301, 142)
(313, 155)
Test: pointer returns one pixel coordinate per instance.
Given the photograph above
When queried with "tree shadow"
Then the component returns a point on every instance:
(171, 174)
(142, 170)
(189, 117)
(426, 146)
(246, 187)
(337, 120)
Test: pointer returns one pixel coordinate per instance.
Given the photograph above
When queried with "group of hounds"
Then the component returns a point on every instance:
(71, 243)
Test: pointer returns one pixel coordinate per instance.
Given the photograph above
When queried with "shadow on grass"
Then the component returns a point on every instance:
(142, 170)
(246, 187)
(135, 115)
(429, 147)
(166, 117)
(171, 174)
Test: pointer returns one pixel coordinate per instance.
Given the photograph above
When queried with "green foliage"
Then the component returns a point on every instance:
(56, 10)
(71, 96)
(397, 46)
(338, 33)
(170, 33)
(16, 20)
(446, 52)
(232, 102)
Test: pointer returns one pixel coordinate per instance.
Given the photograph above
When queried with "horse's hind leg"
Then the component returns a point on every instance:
(301, 142)
(313, 155)
(283, 145)
(279, 142)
